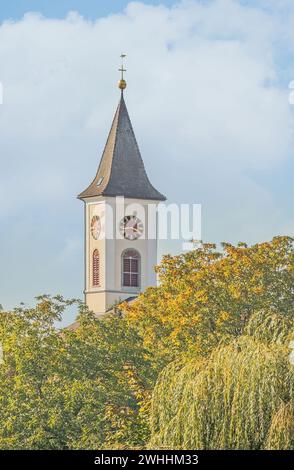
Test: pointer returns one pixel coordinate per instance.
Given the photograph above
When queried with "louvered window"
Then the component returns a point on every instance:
(96, 268)
(131, 268)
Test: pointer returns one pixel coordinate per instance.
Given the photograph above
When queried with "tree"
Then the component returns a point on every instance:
(214, 312)
(281, 431)
(207, 297)
(241, 397)
(70, 389)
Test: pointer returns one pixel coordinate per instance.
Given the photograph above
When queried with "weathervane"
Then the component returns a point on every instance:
(122, 83)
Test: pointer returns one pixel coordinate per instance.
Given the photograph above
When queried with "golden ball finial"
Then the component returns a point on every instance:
(122, 84)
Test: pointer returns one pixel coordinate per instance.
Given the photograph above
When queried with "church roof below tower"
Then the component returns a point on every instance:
(121, 171)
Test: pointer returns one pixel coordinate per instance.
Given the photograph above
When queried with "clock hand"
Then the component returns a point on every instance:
(132, 229)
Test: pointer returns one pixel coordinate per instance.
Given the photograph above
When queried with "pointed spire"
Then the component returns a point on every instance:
(121, 171)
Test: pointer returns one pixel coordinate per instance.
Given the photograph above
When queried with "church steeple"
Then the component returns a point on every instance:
(121, 171)
(119, 254)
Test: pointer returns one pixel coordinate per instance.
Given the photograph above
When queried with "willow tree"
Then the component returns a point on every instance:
(241, 397)
(281, 431)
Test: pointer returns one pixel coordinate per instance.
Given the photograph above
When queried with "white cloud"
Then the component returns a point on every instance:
(206, 104)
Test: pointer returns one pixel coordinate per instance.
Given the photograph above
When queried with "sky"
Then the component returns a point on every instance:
(208, 95)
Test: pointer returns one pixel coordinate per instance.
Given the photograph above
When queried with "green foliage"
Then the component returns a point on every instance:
(240, 398)
(271, 326)
(213, 337)
(208, 297)
(70, 389)
(281, 432)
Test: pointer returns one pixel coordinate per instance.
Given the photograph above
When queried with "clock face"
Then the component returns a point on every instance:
(95, 227)
(131, 227)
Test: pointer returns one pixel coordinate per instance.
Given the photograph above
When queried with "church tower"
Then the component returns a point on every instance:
(120, 220)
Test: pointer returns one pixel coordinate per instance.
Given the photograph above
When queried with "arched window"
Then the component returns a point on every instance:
(131, 268)
(96, 268)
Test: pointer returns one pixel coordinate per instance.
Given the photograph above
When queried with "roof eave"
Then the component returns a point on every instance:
(83, 196)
